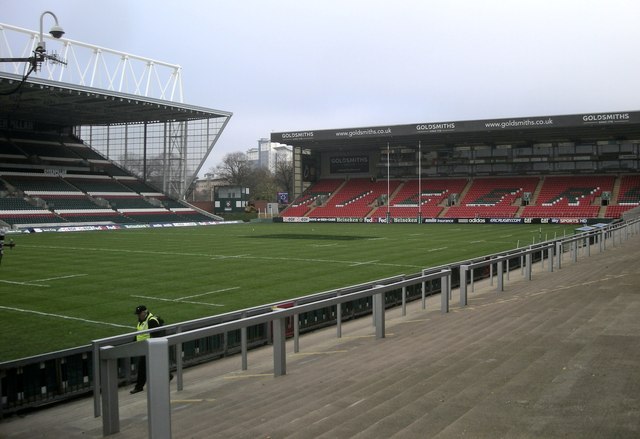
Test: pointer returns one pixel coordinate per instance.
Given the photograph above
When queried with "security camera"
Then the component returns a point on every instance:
(56, 32)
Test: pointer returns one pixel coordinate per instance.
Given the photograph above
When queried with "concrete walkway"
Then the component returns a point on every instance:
(555, 357)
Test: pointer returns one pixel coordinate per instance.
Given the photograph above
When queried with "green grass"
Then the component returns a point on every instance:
(61, 290)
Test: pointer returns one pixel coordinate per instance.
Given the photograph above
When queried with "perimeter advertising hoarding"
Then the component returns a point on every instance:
(296, 219)
(517, 123)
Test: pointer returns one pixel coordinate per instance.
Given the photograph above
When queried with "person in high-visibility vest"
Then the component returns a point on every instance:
(146, 320)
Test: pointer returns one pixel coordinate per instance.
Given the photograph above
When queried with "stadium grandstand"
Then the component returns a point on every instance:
(570, 168)
(88, 151)
(80, 148)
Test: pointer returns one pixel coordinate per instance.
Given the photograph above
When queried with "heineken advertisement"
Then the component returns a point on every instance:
(489, 125)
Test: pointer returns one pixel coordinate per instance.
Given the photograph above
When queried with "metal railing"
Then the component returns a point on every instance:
(157, 350)
(56, 376)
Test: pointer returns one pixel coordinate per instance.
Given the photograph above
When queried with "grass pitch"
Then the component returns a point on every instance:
(61, 290)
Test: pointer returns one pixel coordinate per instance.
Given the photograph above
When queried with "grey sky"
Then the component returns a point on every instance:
(286, 65)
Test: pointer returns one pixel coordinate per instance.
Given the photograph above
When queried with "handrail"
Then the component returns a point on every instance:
(157, 351)
(572, 245)
(212, 320)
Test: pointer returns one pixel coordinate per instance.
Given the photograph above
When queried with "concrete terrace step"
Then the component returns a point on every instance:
(553, 357)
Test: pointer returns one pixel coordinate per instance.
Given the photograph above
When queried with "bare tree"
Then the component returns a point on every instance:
(235, 169)
(284, 175)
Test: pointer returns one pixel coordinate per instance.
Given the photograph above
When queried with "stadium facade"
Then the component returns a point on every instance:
(579, 145)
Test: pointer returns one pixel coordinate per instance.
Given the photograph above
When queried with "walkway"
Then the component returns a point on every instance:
(558, 356)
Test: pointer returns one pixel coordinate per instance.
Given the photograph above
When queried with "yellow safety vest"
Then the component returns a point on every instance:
(143, 326)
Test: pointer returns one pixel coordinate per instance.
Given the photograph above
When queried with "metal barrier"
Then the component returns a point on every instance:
(53, 377)
(157, 352)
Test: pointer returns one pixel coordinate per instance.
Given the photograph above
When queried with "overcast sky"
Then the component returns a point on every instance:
(289, 65)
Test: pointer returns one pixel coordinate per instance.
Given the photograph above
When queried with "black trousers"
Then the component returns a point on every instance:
(141, 365)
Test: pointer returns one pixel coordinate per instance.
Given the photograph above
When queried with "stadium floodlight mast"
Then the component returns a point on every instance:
(40, 53)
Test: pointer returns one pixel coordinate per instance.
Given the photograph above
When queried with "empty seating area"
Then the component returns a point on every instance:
(138, 186)
(68, 202)
(433, 197)
(37, 183)
(30, 218)
(629, 194)
(318, 192)
(616, 211)
(569, 197)
(356, 198)
(493, 197)
(56, 179)
(99, 185)
(499, 197)
(122, 203)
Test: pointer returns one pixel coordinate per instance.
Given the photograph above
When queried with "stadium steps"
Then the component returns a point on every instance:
(617, 184)
(602, 212)
(327, 201)
(465, 190)
(545, 358)
(498, 348)
(534, 195)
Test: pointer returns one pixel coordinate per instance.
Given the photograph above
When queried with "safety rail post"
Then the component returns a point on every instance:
(296, 330)
(574, 246)
(491, 273)
(179, 363)
(279, 347)
(529, 267)
(404, 301)
(158, 395)
(444, 293)
(244, 345)
(96, 373)
(559, 254)
(109, 380)
(550, 250)
(424, 295)
(463, 284)
(473, 285)
(378, 310)
(500, 275)
(338, 318)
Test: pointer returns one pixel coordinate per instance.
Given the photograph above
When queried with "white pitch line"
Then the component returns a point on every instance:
(176, 300)
(24, 283)
(61, 277)
(437, 249)
(355, 264)
(206, 294)
(231, 256)
(32, 284)
(215, 257)
(63, 317)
